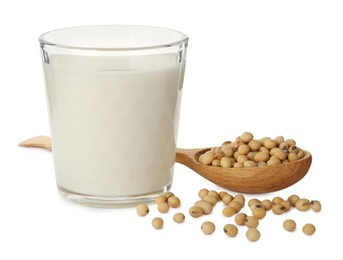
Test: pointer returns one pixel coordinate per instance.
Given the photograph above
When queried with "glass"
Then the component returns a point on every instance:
(113, 95)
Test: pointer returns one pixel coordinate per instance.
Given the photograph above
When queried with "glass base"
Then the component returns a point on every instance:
(110, 201)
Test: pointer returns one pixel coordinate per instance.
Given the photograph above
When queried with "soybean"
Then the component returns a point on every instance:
(286, 204)
(292, 157)
(316, 206)
(264, 150)
(228, 211)
(251, 155)
(210, 199)
(303, 204)
(238, 165)
(301, 154)
(293, 149)
(293, 199)
(273, 161)
(244, 149)
(216, 163)
(262, 164)
(214, 194)
(278, 209)
(249, 163)
(208, 227)
(196, 211)
(246, 137)
(174, 202)
(222, 194)
(240, 198)
(227, 150)
(261, 157)
(267, 204)
(279, 139)
(281, 155)
(253, 234)
(206, 206)
(309, 229)
(240, 219)
(257, 206)
(168, 194)
(179, 217)
(160, 199)
(202, 193)
(289, 225)
(142, 209)
(157, 222)
(207, 157)
(251, 222)
(253, 202)
(217, 157)
(270, 144)
(237, 206)
(216, 150)
(277, 200)
(227, 199)
(226, 162)
(242, 159)
(230, 230)
(254, 145)
(290, 142)
(163, 207)
(264, 139)
(259, 213)
(284, 146)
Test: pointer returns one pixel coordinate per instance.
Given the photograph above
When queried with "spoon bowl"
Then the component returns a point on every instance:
(245, 180)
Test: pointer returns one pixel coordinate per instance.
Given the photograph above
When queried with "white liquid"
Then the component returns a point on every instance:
(114, 122)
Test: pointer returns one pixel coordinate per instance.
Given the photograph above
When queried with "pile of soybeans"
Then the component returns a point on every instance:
(246, 152)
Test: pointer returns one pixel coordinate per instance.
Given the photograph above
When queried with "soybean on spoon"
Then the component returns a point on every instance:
(246, 180)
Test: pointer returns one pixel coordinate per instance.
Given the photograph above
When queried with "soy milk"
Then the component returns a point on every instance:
(114, 122)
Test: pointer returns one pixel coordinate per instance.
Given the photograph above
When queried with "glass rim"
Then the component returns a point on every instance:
(184, 39)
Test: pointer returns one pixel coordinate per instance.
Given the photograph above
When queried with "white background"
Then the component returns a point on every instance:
(269, 67)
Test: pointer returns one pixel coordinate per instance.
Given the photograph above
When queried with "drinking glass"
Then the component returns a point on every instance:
(113, 95)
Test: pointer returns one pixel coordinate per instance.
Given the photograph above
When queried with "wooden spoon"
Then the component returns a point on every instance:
(245, 180)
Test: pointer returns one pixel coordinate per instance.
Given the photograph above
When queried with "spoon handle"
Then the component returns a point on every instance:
(40, 141)
(183, 156)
